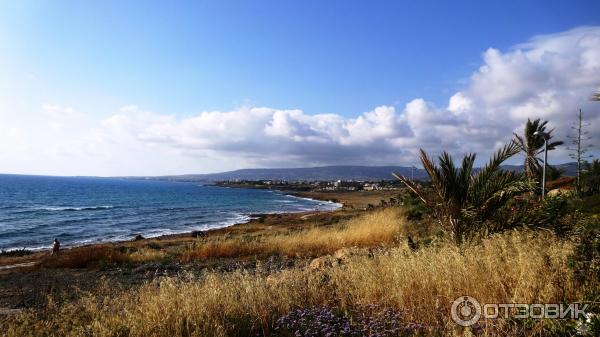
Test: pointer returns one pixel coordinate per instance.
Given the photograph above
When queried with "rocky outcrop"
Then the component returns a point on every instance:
(339, 257)
(560, 191)
(198, 234)
(323, 262)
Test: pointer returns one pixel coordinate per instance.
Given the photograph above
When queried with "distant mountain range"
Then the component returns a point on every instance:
(328, 173)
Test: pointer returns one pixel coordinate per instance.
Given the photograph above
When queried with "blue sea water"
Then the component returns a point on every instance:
(36, 209)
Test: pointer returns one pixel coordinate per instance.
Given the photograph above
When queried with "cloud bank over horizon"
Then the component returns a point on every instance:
(548, 77)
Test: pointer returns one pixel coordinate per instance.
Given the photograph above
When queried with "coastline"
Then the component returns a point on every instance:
(256, 217)
(242, 219)
(135, 262)
(352, 203)
(32, 257)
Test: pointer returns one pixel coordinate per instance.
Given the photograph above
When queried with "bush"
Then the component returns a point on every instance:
(84, 257)
(552, 213)
(586, 256)
(588, 204)
(15, 253)
(414, 208)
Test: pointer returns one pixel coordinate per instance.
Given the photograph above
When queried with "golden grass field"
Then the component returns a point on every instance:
(512, 267)
(379, 228)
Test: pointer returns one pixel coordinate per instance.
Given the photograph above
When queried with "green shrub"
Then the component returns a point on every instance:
(15, 253)
(587, 204)
(415, 209)
(553, 213)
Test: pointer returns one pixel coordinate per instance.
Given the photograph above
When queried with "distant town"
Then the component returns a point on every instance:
(320, 186)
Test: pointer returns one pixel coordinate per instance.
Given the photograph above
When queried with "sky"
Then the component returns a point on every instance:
(153, 88)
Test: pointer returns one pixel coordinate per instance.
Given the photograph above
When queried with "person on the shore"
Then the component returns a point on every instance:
(55, 247)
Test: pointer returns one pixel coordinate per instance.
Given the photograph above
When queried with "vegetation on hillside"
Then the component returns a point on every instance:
(514, 267)
(590, 179)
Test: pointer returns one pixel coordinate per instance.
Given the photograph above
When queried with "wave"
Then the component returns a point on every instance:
(72, 208)
(330, 205)
(32, 248)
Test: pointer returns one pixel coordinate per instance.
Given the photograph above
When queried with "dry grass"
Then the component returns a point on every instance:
(521, 267)
(517, 267)
(377, 228)
(85, 257)
(147, 255)
(382, 227)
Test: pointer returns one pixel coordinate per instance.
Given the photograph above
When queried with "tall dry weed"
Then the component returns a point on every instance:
(520, 266)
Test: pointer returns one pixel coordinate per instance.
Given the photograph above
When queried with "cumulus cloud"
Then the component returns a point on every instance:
(549, 77)
(267, 136)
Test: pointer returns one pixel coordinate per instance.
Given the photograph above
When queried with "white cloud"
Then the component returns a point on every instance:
(460, 103)
(548, 77)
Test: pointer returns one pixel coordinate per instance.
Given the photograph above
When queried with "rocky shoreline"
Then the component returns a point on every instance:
(261, 217)
(27, 279)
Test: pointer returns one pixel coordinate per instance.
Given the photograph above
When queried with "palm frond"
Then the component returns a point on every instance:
(464, 177)
(433, 172)
(498, 190)
(448, 175)
(518, 140)
(492, 166)
(413, 187)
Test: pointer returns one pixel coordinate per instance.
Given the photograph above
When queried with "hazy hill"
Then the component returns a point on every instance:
(326, 173)
(305, 174)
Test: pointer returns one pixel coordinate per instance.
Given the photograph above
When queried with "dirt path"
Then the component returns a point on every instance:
(18, 265)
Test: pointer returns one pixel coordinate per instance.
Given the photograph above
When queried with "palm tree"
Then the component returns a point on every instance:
(464, 198)
(596, 96)
(532, 145)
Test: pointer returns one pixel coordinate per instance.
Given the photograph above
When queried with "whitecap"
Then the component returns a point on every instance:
(73, 208)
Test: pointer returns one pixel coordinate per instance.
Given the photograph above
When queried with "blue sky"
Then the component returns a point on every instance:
(320, 56)
(180, 59)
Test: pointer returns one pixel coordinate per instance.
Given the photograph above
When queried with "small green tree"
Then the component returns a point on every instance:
(464, 198)
(590, 178)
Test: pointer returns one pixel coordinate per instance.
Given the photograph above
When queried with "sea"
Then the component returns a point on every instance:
(81, 210)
